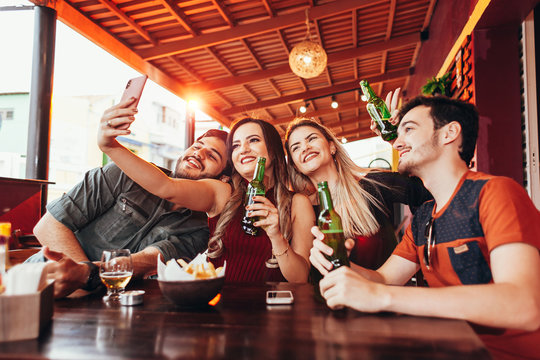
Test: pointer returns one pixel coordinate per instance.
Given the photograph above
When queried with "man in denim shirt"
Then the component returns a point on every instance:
(108, 210)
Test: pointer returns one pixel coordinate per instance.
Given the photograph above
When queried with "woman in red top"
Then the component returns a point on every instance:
(286, 221)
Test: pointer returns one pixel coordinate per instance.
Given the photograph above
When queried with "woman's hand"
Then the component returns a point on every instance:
(115, 122)
(320, 249)
(268, 216)
(392, 99)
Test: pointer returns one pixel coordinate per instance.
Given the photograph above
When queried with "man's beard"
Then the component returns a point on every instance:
(179, 172)
(425, 150)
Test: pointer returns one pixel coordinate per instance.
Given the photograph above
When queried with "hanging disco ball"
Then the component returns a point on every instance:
(307, 59)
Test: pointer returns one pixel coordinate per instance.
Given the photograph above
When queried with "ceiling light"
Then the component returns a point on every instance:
(334, 103)
(193, 104)
(363, 97)
(344, 140)
(307, 58)
(302, 109)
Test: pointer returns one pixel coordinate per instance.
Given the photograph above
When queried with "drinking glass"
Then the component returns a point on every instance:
(115, 272)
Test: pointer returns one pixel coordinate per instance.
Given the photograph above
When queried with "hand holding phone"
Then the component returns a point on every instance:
(279, 297)
(134, 88)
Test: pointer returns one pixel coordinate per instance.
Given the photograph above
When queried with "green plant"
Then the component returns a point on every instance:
(436, 86)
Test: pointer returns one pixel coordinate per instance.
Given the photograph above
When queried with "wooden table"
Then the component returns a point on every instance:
(241, 326)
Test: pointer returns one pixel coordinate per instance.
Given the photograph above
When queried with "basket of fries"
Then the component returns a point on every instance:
(192, 284)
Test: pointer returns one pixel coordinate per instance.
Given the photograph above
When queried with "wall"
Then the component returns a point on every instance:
(497, 78)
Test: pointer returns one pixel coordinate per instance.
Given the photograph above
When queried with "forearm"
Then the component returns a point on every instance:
(368, 274)
(142, 172)
(499, 305)
(293, 266)
(52, 233)
(145, 262)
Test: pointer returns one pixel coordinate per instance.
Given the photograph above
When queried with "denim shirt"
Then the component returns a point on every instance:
(108, 210)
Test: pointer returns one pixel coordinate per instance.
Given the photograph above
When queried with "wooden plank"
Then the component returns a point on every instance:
(260, 27)
(327, 91)
(322, 112)
(354, 53)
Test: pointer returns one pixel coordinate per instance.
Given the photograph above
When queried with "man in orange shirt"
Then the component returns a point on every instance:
(477, 243)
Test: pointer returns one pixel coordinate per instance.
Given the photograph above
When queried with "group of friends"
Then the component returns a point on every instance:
(475, 237)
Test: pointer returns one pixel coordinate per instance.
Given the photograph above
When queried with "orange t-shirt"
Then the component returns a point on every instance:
(484, 212)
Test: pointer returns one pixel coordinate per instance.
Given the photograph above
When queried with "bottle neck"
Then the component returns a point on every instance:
(325, 200)
(259, 171)
(368, 91)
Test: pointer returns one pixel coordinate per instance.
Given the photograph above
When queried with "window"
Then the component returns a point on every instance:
(6, 114)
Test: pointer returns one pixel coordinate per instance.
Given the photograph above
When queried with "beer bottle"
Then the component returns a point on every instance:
(5, 234)
(379, 112)
(255, 187)
(329, 222)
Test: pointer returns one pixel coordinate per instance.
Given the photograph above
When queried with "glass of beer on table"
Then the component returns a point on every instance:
(115, 271)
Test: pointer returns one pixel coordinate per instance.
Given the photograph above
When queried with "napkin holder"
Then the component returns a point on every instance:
(22, 317)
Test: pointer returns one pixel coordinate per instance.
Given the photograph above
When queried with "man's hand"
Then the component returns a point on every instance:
(392, 99)
(115, 122)
(67, 274)
(345, 287)
(320, 249)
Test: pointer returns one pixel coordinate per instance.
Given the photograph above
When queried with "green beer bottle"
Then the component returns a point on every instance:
(378, 111)
(329, 222)
(255, 187)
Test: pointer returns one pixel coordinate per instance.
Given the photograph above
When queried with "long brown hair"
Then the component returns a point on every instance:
(351, 201)
(282, 195)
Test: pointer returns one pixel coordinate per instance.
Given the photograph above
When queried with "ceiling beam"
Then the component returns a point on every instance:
(322, 112)
(359, 52)
(260, 27)
(179, 15)
(134, 26)
(359, 121)
(360, 133)
(327, 91)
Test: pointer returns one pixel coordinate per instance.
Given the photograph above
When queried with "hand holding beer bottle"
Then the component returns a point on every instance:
(255, 187)
(329, 222)
(382, 121)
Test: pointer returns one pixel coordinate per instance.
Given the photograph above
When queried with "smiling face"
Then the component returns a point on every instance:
(417, 142)
(248, 143)
(310, 150)
(206, 158)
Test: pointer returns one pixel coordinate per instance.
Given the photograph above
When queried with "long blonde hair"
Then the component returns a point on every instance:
(282, 195)
(351, 201)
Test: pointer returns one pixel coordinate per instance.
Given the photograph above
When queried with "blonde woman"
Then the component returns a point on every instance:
(286, 235)
(363, 198)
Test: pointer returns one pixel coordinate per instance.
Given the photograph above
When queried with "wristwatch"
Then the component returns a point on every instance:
(94, 281)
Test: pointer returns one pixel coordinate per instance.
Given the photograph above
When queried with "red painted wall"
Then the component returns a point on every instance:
(498, 98)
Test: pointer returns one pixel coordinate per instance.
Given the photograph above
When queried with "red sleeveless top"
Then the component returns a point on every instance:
(245, 254)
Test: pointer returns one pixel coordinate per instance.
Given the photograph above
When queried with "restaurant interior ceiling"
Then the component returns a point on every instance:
(233, 55)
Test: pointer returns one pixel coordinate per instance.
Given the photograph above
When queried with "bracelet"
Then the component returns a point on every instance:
(281, 253)
(94, 281)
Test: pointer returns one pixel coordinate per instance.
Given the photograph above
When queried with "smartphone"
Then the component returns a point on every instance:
(134, 89)
(277, 297)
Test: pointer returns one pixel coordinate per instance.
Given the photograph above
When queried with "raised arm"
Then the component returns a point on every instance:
(206, 195)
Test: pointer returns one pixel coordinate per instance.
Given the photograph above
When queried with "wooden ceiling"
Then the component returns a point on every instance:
(233, 54)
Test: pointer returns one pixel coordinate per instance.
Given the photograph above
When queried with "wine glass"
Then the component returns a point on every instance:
(115, 271)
